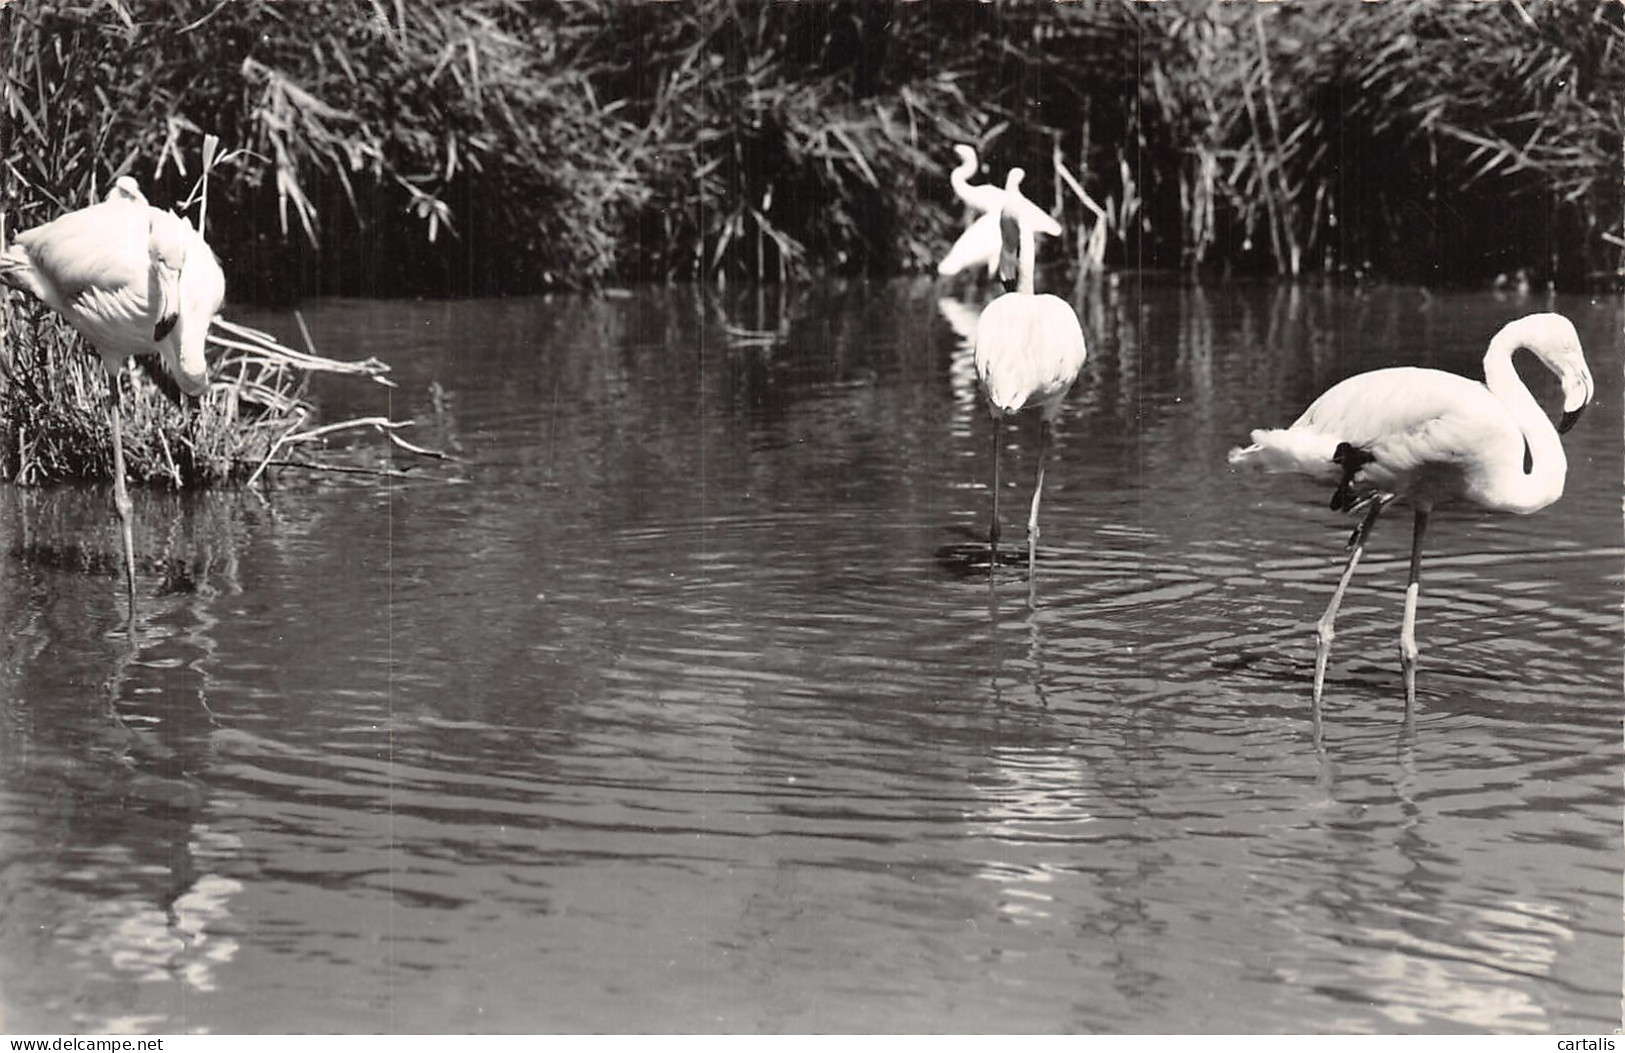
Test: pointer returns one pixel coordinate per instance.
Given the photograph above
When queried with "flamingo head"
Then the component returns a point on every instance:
(1551, 338)
(188, 289)
(1554, 341)
(166, 247)
(967, 158)
(1578, 387)
(1580, 397)
(126, 189)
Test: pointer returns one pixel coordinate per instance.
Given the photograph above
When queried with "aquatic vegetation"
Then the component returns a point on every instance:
(495, 146)
(53, 408)
(1424, 141)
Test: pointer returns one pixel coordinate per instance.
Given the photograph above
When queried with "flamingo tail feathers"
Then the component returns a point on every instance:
(1298, 450)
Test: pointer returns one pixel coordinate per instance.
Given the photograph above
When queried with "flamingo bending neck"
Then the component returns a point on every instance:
(1509, 485)
(1019, 243)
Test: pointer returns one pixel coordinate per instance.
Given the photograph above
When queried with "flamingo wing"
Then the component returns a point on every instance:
(103, 246)
(1405, 429)
(978, 245)
(1041, 222)
(93, 268)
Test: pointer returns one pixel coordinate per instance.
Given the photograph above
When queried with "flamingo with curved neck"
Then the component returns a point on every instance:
(983, 197)
(1432, 438)
(134, 280)
(980, 243)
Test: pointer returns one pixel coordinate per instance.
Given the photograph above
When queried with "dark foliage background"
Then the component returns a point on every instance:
(415, 146)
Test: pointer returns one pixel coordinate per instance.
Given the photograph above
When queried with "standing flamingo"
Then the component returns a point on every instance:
(1432, 438)
(983, 197)
(134, 280)
(1029, 349)
(981, 243)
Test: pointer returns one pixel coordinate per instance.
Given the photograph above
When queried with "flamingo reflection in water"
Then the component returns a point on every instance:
(1431, 438)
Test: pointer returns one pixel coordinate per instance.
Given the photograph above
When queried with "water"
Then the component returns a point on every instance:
(681, 701)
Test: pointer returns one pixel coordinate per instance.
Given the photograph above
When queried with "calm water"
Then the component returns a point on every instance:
(679, 704)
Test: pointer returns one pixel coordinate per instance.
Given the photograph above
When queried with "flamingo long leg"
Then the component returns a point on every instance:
(1325, 629)
(993, 528)
(121, 496)
(1407, 631)
(1044, 433)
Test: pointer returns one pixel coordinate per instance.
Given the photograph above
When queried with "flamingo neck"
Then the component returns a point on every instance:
(1016, 259)
(1024, 259)
(1517, 489)
(959, 179)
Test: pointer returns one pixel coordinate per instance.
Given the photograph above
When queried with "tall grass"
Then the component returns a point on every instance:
(1428, 140)
(54, 400)
(401, 146)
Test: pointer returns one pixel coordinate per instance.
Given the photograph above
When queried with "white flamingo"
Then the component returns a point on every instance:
(1432, 438)
(981, 242)
(134, 280)
(1029, 349)
(983, 197)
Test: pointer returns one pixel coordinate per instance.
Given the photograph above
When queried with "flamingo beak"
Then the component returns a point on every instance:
(1569, 419)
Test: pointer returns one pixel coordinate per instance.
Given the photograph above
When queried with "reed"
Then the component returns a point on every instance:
(412, 146)
(1418, 139)
(54, 399)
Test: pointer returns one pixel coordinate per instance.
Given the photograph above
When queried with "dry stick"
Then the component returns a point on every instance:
(275, 447)
(304, 331)
(342, 469)
(1085, 142)
(1055, 156)
(1097, 234)
(1288, 213)
(274, 357)
(169, 459)
(264, 345)
(1263, 173)
(383, 425)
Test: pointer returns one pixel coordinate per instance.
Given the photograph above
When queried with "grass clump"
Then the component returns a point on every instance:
(54, 396)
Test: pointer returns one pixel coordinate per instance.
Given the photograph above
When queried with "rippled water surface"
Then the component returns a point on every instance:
(682, 701)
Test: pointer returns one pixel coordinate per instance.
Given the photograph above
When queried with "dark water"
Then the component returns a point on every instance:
(680, 704)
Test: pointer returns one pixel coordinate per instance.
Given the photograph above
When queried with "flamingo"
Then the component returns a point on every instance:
(133, 280)
(1029, 349)
(983, 197)
(1431, 438)
(981, 243)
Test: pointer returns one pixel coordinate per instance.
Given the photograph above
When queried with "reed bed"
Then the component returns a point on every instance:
(493, 146)
(256, 414)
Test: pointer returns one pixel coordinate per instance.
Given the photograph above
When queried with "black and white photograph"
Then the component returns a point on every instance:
(812, 517)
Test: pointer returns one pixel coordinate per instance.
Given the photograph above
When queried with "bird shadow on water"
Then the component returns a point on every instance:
(970, 556)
